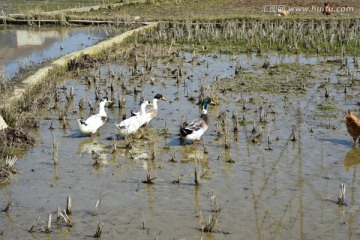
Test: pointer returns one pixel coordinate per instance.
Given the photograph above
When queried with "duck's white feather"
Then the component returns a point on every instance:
(94, 122)
(150, 113)
(195, 129)
(132, 124)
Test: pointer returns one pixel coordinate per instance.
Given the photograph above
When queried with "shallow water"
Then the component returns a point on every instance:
(22, 48)
(289, 192)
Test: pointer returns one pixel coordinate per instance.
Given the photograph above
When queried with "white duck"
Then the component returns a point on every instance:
(132, 124)
(194, 130)
(92, 124)
(152, 112)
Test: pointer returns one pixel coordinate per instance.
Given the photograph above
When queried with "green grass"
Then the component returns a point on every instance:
(326, 107)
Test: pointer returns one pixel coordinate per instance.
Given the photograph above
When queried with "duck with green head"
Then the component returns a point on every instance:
(194, 130)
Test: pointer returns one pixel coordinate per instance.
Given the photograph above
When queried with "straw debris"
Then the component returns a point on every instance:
(16, 137)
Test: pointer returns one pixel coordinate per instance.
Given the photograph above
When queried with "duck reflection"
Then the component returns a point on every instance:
(195, 153)
(200, 157)
(90, 145)
(96, 150)
(139, 153)
(352, 158)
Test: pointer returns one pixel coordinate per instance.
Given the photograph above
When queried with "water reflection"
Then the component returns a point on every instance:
(22, 48)
(194, 152)
(352, 158)
(90, 145)
(34, 39)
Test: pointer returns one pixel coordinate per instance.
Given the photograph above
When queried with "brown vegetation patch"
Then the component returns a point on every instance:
(7, 169)
(5, 173)
(16, 137)
(84, 62)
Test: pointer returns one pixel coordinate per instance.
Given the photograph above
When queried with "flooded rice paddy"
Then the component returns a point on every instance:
(269, 186)
(25, 48)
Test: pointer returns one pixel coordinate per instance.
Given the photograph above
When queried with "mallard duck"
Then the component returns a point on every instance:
(196, 128)
(132, 124)
(91, 125)
(152, 112)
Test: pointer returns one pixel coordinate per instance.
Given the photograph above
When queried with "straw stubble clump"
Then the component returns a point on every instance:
(16, 137)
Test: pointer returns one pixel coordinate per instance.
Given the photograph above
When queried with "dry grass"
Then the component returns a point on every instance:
(155, 10)
(5, 86)
(207, 9)
(16, 137)
(7, 169)
(18, 6)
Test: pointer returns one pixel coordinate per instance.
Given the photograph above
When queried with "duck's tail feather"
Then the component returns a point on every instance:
(184, 132)
(83, 122)
(133, 113)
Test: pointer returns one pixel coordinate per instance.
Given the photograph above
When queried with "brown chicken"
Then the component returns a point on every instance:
(353, 126)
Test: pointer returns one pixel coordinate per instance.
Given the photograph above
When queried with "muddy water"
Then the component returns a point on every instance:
(289, 192)
(24, 48)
